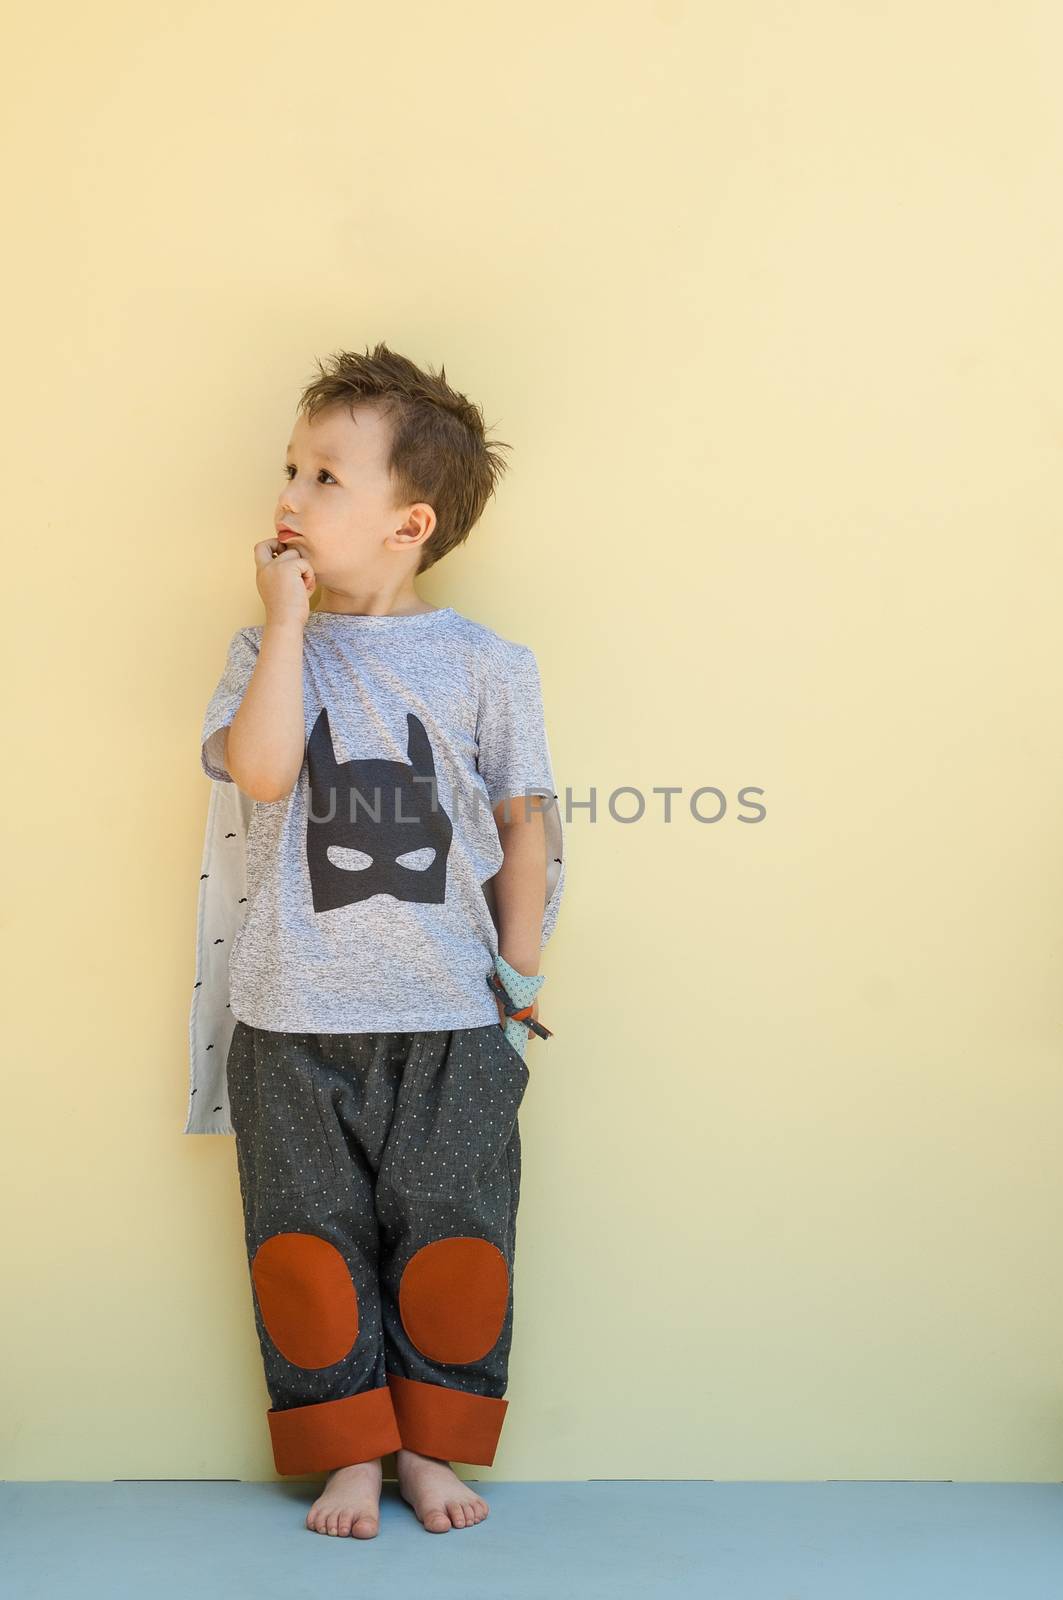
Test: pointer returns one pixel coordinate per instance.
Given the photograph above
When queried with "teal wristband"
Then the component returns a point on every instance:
(522, 991)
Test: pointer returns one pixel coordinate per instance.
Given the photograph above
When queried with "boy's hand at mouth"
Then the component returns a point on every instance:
(285, 580)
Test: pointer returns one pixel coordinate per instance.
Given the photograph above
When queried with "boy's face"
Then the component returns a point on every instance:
(338, 498)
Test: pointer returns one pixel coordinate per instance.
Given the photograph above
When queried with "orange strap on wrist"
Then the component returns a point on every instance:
(518, 1013)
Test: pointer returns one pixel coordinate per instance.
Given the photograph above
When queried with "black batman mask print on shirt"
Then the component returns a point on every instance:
(370, 828)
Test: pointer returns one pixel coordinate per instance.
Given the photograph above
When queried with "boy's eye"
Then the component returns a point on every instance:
(289, 470)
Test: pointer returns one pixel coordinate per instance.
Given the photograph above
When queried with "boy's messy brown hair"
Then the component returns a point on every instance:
(438, 450)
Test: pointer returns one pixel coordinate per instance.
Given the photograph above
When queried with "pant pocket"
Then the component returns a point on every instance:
(507, 1068)
(279, 1115)
(515, 1054)
(456, 1117)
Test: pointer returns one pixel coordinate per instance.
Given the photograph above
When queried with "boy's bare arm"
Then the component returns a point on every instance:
(265, 741)
(520, 882)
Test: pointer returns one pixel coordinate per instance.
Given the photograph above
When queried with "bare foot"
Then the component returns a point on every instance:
(350, 1502)
(436, 1493)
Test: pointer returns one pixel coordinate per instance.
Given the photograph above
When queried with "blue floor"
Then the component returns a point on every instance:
(551, 1541)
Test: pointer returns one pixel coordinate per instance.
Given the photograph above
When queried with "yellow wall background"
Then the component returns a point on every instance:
(766, 298)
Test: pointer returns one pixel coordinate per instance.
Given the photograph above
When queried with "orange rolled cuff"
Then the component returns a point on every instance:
(447, 1423)
(334, 1433)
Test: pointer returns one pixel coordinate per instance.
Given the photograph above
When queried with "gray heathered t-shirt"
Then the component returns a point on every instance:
(367, 909)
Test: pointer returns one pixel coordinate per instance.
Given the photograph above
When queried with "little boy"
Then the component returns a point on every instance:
(400, 883)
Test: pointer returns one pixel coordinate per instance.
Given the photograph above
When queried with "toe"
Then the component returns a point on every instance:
(456, 1512)
(436, 1520)
(343, 1524)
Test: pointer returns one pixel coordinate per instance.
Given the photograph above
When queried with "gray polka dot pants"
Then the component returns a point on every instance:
(379, 1176)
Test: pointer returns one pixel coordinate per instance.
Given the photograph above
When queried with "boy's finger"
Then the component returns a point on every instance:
(265, 550)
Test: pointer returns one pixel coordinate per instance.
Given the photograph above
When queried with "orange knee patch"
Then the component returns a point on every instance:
(307, 1298)
(452, 1298)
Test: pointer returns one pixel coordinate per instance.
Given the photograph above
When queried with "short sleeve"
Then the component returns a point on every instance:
(512, 751)
(225, 701)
